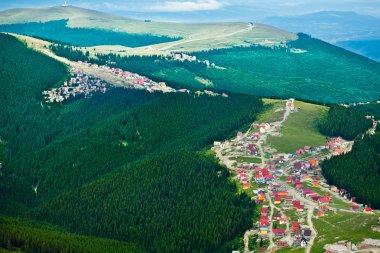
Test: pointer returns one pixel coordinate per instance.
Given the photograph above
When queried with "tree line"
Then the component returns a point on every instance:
(358, 171)
(344, 122)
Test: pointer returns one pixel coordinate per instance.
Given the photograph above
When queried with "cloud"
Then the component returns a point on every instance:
(177, 6)
(169, 6)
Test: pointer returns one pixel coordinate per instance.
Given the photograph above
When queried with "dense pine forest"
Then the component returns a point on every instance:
(21, 235)
(344, 122)
(307, 69)
(358, 171)
(178, 202)
(113, 161)
(59, 31)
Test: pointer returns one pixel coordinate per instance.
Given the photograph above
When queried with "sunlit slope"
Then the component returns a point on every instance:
(196, 36)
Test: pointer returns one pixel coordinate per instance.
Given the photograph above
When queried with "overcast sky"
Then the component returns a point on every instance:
(214, 8)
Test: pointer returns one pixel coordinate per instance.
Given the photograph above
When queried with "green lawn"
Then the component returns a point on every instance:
(269, 114)
(300, 129)
(245, 159)
(343, 226)
(288, 249)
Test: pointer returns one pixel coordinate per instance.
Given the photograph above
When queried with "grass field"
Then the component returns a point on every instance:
(287, 249)
(269, 114)
(343, 226)
(196, 36)
(244, 159)
(300, 129)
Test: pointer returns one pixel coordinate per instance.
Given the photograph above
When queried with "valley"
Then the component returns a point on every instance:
(121, 135)
(289, 188)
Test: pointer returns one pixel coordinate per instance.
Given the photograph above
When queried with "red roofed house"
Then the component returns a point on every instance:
(368, 210)
(355, 208)
(296, 203)
(324, 200)
(278, 232)
(264, 221)
(277, 200)
(295, 226)
(282, 193)
(300, 208)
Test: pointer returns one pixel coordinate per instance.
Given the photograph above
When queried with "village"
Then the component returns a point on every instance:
(288, 188)
(79, 85)
(83, 84)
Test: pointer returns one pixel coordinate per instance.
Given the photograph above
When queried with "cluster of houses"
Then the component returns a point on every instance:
(134, 80)
(182, 57)
(79, 85)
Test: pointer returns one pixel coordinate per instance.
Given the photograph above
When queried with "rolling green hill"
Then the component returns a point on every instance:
(83, 37)
(195, 36)
(306, 68)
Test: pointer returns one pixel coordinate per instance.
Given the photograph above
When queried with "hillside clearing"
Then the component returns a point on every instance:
(343, 228)
(300, 129)
(274, 111)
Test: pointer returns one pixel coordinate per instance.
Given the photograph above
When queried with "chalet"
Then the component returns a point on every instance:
(282, 220)
(314, 162)
(277, 200)
(264, 210)
(323, 200)
(217, 144)
(300, 208)
(282, 193)
(278, 232)
(289, 179)
(298, 166)
(320, 214)
(260, 198)
(355, 208)
(263, 230)
(338, 151)
(300, 152)
(295, 226)
(259, 178)
(307, 233)
(307, 178)
(264, 221)
(296, 203)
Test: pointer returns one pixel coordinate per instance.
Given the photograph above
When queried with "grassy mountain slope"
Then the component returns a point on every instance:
(369, 48)
(307, 68)
(84, 37)
(201, 35)
(352, 31)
